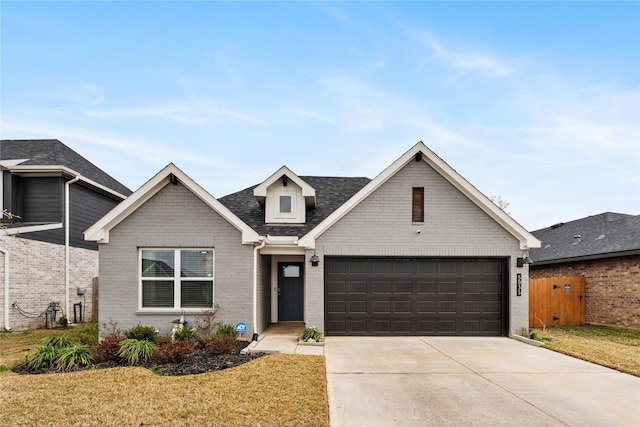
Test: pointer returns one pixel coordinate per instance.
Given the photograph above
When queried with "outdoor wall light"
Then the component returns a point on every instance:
(520, 262)
(315, 260)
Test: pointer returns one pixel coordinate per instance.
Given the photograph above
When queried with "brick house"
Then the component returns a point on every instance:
(605, 249)
(50, 195)
(415, 251)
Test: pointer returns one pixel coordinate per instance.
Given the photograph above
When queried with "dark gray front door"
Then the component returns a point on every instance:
(290, 291)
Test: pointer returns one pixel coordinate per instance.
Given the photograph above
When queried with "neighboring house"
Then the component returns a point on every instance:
(416, 251)
(605, 249)
(43, 255)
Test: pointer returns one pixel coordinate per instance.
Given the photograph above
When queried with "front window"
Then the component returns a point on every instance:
(165, 286)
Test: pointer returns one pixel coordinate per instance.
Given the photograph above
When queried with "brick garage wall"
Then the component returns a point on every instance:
(37, 277)
(612, 288)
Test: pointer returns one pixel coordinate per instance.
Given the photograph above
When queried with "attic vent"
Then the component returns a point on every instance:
(558, 225)
(577, 239)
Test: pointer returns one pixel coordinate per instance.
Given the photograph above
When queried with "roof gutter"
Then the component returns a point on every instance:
(263, 242)
(66, 242)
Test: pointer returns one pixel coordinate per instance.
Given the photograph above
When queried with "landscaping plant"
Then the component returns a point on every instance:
(221, 345)
(135, 351)
(310, 334)
(226, 331)
(73, 356)
(142, 333)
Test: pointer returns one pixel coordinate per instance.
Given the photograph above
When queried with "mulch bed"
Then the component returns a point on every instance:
(198, 362)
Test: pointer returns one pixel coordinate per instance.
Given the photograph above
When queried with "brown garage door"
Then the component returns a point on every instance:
(417, 296)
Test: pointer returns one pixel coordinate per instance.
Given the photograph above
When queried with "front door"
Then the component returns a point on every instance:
(290, 291)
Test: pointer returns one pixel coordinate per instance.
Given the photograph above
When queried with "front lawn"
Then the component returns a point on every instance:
(617, 348)
(282, 390)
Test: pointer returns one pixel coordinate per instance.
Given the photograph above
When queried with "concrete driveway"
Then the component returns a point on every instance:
(440, 381)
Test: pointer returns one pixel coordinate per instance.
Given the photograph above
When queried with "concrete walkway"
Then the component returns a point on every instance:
(453, 381)
(283, 338)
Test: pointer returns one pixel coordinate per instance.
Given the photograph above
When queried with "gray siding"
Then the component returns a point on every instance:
(174, 217)
(381, 226)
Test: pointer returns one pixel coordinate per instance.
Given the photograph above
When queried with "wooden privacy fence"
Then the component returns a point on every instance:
(556, 301)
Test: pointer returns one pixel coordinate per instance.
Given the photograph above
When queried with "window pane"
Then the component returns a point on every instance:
(157, 293)
(157, 263)
(291, 271)
(196, 294)
(285, 204)
(196, 263)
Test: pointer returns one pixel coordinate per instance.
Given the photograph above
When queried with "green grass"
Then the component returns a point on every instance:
(617, 348)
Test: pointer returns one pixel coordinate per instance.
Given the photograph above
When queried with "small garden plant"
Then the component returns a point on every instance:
(311, 335)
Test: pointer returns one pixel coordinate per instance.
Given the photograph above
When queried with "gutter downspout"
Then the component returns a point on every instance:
(6, 289)
(66, 243)
(263, 241)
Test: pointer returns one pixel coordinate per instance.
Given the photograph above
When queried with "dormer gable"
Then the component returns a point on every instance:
(285, 197)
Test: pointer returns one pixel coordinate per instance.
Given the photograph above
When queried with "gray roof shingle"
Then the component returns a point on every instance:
(331, 193)
(601, 235)
(52, 152)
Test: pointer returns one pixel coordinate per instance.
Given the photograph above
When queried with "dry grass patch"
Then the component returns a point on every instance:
(276, 390)
(617, 348)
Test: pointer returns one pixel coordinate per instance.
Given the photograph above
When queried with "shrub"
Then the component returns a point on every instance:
(185, 334)
(63, 322)
(206, 322)
(73, 356)
(308, 334)
(226, 331)
(42, 357)
(46, 353)
(134, 351)
(57, 342)
(107, 349)
(221, 345)
(173, 352)
(88, 334)
(141, 333)
(110, 329)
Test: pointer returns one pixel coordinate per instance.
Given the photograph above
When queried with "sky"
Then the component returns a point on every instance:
(537, 103)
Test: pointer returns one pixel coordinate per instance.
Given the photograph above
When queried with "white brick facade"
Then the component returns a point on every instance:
(37, 277)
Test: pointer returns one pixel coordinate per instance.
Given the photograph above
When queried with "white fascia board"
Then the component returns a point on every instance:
(32, 228)
(527, 240)
(45, 169)
(99, 232)
(307, 191)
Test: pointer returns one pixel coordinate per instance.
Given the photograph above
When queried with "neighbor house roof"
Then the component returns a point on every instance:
(330, 194)
(45, 155)
(599, 236)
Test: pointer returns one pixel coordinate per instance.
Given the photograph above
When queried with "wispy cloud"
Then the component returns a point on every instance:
(308, 114)
(462, 62)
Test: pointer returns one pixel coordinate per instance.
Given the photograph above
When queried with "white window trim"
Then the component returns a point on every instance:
(176, 282)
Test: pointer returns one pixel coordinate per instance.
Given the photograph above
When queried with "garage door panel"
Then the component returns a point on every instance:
(421, 296)
(426, 288)
(357, 288)
(400, 288)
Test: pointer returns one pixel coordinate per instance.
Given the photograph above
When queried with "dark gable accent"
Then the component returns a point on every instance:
(331, 193)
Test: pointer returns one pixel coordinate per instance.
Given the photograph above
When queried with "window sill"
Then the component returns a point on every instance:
(171, 311)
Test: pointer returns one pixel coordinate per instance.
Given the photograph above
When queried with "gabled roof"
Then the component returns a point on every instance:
(420, 152)
(46, 154)
(600, 236)
(331, 193)
(99, 232)
(309, 194)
